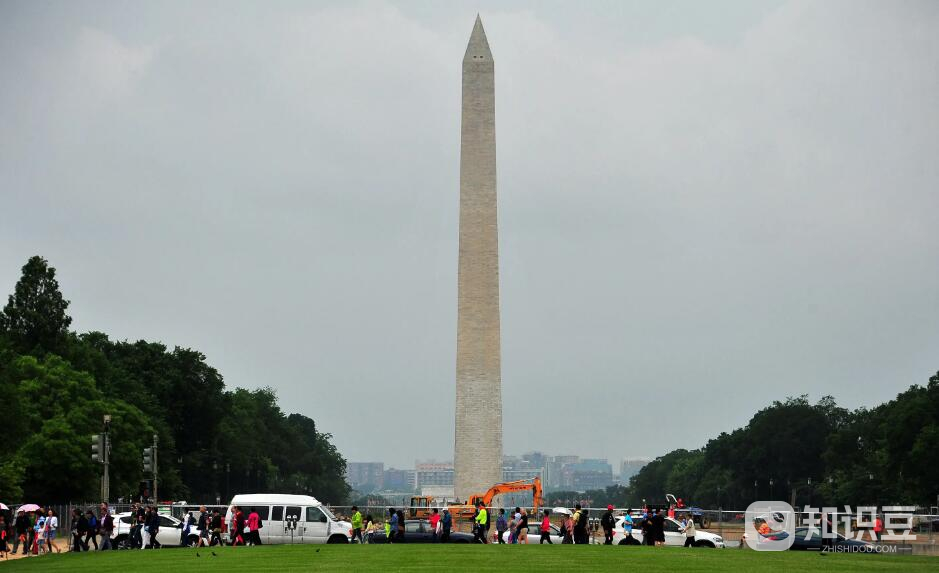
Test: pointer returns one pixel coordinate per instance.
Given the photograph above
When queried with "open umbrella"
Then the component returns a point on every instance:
(561, 510)
(3, 506)
(28, 507)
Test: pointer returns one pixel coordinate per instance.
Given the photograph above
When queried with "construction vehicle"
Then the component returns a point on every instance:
(422, 506)
(466, 511)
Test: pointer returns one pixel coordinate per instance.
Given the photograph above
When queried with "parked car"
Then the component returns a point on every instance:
(534, 533)
(419, 531)
(169, 535)
(810, 539)
(674, 534)
(289, 518)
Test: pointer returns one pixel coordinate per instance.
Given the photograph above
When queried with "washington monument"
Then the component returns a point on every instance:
(477, 457)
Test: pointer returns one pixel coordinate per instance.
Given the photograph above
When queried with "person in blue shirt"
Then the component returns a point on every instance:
(627, 525)
(393, 533)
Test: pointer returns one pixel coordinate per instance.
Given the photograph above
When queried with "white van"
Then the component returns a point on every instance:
(279, 511)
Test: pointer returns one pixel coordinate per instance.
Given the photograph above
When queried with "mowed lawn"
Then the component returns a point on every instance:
(377, 558)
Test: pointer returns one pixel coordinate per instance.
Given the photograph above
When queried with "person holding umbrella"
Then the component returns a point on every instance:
(30, 510)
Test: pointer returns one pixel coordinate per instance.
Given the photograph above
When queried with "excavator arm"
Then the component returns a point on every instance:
(510, 487)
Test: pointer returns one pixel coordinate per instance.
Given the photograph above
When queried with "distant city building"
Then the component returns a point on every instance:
(515, 475)
(554, 467)
(587, 474)
(630, 467)
(365, 475)
(399, 480)
(428, 474)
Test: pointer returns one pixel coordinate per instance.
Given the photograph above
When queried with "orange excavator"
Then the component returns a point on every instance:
(466, 511)
(421, 506)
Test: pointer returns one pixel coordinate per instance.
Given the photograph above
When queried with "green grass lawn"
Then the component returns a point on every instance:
(379, 558)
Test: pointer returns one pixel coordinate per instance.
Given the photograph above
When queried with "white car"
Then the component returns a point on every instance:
(674, 534)
(534, 534)
(169, 535)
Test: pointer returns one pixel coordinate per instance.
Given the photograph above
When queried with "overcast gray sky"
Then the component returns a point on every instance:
(704, 206)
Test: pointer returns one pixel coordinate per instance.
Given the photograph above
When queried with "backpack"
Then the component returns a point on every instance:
(581, 524)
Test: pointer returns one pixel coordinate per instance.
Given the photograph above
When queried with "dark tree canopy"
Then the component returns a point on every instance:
(813, 453)
(213, 441)
(35, 315)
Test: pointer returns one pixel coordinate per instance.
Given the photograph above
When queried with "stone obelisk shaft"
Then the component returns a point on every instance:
(478, 445)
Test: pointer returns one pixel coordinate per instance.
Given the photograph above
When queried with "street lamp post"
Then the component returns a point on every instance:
(771, 482)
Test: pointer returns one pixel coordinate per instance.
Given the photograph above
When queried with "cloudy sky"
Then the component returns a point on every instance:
(703, 206)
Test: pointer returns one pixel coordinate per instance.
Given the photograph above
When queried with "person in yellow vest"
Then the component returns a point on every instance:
(482, 523)
(356, 525)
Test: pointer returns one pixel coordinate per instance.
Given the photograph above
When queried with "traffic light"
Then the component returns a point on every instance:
(148, 459)
(97, 448)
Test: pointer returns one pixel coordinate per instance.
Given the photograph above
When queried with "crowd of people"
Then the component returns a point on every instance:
(511, 528)
(34, 532)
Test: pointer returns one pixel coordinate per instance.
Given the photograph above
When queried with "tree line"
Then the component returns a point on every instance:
(805, 454)
(57, 385)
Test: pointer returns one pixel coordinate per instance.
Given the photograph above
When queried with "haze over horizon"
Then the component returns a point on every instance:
(703, 207)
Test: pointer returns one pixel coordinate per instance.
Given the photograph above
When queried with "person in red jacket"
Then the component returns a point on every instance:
(878, 528)
(434, 520)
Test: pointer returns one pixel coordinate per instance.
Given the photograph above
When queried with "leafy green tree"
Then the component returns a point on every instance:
(35, 316)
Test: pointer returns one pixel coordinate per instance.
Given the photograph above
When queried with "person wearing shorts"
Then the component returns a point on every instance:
(40, 537)
(523, 528)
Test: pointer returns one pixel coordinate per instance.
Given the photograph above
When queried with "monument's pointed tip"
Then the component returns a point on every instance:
(478, 46)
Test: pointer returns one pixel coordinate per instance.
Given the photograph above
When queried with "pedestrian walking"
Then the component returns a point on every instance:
(689, 532)
(501, 526)
(41, 534)
(4, 534)
(481, 520)
(391, 526)
(369, 528)
(546, 528)
(648, 535)
(627, 525)
(78, 529)
(216, 525)
(580, 525)
(608, 522)
(50, 528)
(400, 514)
(356, 524)
(522, 527)
(32, 517)
(153, 526)
(254, 527)
(658, 528)
(106, 526)
(203, 524)
(567, 529)
(435, 524)
(447, 523)
(188, 522)
(92, 532)
(238, 531)
(20, 527)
